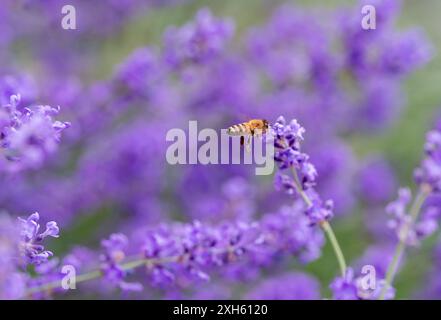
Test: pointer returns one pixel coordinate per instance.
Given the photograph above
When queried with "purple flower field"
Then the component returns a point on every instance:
(91, 207)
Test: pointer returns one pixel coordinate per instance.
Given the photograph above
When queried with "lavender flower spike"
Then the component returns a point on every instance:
(287, 138)
(288, 155)
(409, 228)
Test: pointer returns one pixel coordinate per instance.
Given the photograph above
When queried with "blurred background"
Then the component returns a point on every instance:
(125, 77)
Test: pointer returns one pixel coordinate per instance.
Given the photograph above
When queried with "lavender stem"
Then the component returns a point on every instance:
(98, 274)
(326, 227)
(401, 246)
(335, 245)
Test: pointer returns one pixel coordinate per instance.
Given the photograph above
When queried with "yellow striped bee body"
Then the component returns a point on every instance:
(250, 129)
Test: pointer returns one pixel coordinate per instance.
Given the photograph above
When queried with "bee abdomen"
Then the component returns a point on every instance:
(238, 129)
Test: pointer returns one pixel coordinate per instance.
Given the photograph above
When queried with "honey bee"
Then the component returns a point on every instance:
(254, 127)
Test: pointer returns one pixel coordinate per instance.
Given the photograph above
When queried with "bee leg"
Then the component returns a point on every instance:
(247, 147)
(242, 140)
(258, 134)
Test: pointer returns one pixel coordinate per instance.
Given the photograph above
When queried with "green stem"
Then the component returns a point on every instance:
(57, 284)
(299, 188)
(401, 246)
(326, 227)
(335, 245)
(131, 265)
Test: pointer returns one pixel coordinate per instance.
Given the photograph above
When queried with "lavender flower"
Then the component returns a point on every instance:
(110, 262)
(22, 244)
(179, 255)
(344, 288)
(409, 228)
(375, 59)
(429, 171)
(31, 240)
(138, 74)
(293, 50)
(350, 287)
(27, 135)
(402, 222)
(320, 211)
(397, 52)
(287, 140)
(406, 53)
(197, 41)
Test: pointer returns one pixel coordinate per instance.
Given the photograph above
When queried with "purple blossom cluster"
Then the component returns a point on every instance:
(178, 255)
(31, 239)
(198, 41)
(288, 155)
(27, 135)
(428, 174)
(21, 245)
(114, 254)
(406, 229)
(350, 287)
(413, 220)
(359, 283)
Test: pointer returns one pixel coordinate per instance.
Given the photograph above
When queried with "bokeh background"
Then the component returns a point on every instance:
(72, 69)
